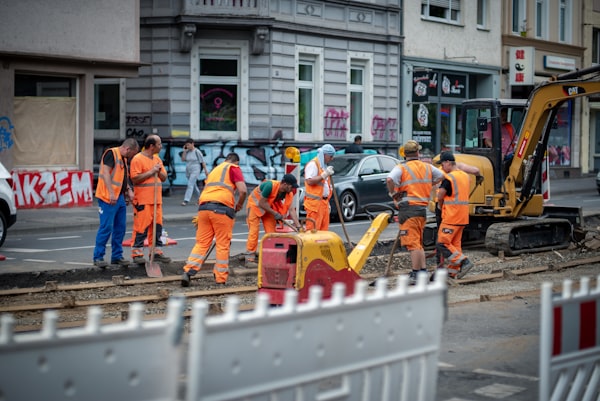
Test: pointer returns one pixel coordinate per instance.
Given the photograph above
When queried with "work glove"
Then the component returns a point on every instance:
(328, 172)
(278, 216)
(478, 180)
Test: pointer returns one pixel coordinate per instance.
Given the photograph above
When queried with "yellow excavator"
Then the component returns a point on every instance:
(507, 210)
(300, 259)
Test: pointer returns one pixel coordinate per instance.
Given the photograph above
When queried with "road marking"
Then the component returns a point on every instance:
(39, 260)
(506, 374)
(51, 238)
(23, 250)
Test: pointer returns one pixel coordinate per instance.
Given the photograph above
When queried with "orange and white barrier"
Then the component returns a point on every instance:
(570, 342)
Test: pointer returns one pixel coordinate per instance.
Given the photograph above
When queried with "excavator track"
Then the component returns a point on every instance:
(527, 236)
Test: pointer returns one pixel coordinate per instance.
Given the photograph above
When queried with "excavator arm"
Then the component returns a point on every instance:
(542, 107)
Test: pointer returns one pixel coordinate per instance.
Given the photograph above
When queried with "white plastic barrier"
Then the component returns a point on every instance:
(570, 343)
(369, 346)
(133, 360)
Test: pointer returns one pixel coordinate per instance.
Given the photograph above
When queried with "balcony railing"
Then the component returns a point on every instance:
(226, 7)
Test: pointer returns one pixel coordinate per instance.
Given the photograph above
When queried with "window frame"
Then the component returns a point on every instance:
(565, 16)
(226, 49)
(452, 15)
(519, 17)
(313, 56)
(364, 62)
(541, 18)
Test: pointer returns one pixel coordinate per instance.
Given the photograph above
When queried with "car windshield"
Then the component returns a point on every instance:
(344, 166)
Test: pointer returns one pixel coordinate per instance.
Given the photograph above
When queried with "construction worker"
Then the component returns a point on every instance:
(114, 194)
(270, 202)
(216, 216)
(409, 184)
(319, 189)
(453, 200)
(147, 174)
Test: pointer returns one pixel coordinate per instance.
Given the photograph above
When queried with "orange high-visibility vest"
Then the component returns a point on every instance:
(116, 176)
(282, 206)
(314, 193)
(456, 206)
(416, 182)
(219, 187)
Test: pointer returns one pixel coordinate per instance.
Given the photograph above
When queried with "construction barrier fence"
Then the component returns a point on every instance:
(377, 344)
(570, 342)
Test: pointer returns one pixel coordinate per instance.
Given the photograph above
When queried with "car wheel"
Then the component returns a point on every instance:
(3, 228)
(348, 205)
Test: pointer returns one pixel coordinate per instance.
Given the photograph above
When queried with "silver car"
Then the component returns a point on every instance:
(359, 180)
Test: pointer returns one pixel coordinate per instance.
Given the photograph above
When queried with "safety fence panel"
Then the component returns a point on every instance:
(570, 342)
(380, 345)
(133, 360)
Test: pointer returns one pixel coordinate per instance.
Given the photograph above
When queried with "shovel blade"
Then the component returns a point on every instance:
(153, 269)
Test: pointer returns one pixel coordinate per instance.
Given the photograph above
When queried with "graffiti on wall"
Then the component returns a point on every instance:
(384, 129)
(38, 189)
(138, 125)
(335, 124)
(6, 133)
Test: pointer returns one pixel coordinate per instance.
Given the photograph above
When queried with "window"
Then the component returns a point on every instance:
(218, 94)
(564, 21)
(519, 17)
(309, 101)
(541, 18)
(444, 10)
(357, 94)
(219, 82)
(596, 46)
(107, 105)
(45, 118)
(482, 9)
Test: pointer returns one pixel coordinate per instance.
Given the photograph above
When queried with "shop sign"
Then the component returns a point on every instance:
(521, 65)
(560, 63)
(420, 93)
(454, 85)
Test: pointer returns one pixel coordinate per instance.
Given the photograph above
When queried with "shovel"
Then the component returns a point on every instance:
(153, 268)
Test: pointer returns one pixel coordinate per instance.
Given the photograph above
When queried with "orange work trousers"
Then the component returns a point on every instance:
(253, 220)
(211, 225)
(411, 233)
(449, 244)
(320, 217)
(142, 227)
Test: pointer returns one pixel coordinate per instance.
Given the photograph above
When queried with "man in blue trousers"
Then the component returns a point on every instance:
(114, 193)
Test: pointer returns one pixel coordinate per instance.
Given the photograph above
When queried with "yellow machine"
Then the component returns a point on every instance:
(507, 209)
(299, 260)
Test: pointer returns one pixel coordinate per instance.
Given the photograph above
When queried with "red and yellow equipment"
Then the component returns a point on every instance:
(299, 260)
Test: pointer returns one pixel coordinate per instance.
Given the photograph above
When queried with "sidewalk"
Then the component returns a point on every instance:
(53, 220)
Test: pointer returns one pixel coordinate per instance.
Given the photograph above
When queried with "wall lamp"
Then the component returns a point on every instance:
(472, 58)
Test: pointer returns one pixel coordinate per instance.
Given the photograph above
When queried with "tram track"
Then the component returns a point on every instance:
(27, 305)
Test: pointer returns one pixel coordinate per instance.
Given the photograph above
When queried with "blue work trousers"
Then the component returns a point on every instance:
(113, 221)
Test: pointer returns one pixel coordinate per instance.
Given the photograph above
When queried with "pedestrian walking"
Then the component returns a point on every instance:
(409, 184)
(356, 146)
(453, 200)
(114, 193)
(216, 217)
(194, 165)
(319, 189)
(269, 202)
(147, 174)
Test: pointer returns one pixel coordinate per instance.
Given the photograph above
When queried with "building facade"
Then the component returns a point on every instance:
(256, 76)
(51, 53)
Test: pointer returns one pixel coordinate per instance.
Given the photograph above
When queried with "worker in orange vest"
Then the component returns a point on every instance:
(270, 202)
(216, 217)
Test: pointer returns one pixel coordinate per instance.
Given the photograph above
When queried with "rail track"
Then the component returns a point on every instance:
(114, 296)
